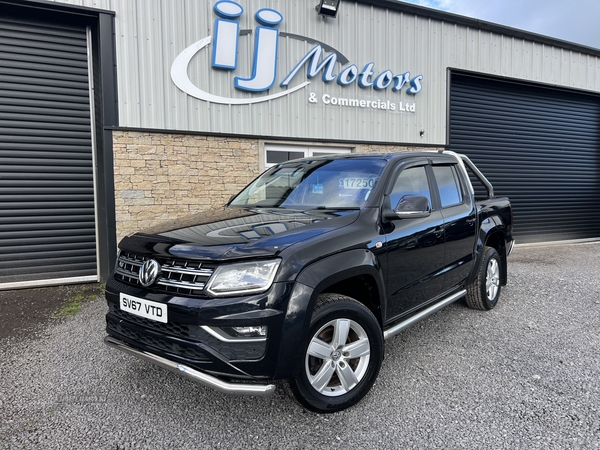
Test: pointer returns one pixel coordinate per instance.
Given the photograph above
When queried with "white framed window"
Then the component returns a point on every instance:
(275, 154)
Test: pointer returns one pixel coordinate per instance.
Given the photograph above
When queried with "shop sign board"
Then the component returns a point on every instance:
(321, 64)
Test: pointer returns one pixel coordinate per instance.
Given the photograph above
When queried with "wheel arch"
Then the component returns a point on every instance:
(353, 273)
(492, 233)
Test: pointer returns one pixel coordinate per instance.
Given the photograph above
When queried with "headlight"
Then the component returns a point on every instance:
(243, 278)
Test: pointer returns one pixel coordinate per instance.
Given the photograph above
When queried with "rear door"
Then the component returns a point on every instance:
(460, 221)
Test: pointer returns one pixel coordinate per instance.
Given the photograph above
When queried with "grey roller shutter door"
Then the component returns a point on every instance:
(47, 213)
(539, 146)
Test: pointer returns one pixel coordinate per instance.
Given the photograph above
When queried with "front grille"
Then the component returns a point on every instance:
(179, 330)
(185, 351)
(177, 276)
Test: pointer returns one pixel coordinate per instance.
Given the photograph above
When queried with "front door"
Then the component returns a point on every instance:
(415, 248)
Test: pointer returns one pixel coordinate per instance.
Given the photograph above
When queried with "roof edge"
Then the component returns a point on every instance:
(409, 8)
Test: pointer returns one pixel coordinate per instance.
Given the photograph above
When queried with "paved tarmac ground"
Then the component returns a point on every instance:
(525, 375)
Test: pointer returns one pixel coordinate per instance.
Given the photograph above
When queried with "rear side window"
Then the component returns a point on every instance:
(448, 185)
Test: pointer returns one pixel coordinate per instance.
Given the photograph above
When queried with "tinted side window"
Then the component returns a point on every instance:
(448, 185)
(410, 181)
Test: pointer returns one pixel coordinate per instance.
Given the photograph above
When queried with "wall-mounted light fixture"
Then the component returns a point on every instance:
(328, 8)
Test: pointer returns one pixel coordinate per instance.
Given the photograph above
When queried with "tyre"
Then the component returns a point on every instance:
(341, 357)
(484, 292)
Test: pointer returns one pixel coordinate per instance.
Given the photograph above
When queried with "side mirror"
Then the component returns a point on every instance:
(410, 207)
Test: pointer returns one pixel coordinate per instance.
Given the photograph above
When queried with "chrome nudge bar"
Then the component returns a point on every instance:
(192, 374)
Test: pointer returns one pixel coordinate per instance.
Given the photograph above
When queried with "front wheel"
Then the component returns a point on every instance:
(342, 356)
(484, 292)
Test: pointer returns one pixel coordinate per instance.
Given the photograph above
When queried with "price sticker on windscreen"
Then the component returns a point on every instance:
(356, 183)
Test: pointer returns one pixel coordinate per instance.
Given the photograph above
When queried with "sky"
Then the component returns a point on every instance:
(574, 21)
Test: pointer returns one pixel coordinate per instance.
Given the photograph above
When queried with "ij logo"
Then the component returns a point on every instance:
(225, 48)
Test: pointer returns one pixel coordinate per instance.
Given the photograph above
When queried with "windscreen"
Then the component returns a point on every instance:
(328, 184)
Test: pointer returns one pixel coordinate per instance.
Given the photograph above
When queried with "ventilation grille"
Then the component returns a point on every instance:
(176, 276)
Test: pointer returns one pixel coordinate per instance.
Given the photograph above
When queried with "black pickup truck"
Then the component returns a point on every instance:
(304, 274)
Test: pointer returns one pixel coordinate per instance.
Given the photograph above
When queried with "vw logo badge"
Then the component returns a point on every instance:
(149, 272)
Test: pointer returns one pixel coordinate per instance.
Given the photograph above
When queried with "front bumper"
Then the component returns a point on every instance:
(188, 340)
(194, 375)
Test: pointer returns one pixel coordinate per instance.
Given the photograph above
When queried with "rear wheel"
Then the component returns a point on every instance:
(342, 356)
(484, 292)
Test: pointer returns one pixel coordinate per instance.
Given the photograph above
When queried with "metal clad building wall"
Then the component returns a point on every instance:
(362, 34)
(47, 218)
(540, 147)
(151, 33)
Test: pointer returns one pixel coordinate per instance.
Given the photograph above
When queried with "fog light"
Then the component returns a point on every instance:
(236, 335)
(254, 331)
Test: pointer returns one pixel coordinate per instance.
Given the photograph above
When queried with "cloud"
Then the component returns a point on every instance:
(570, 21)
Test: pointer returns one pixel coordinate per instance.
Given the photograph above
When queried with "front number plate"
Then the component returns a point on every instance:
(143, 308)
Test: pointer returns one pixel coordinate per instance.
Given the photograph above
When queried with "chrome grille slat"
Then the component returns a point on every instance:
(179, 277)
(133, 262)
(126, 273)
(184, 270)
(183, 284)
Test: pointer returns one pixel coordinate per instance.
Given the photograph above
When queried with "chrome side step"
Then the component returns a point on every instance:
(193, 374)
(394, 330)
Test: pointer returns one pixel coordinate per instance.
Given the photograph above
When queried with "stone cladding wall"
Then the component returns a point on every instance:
(161, 177)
